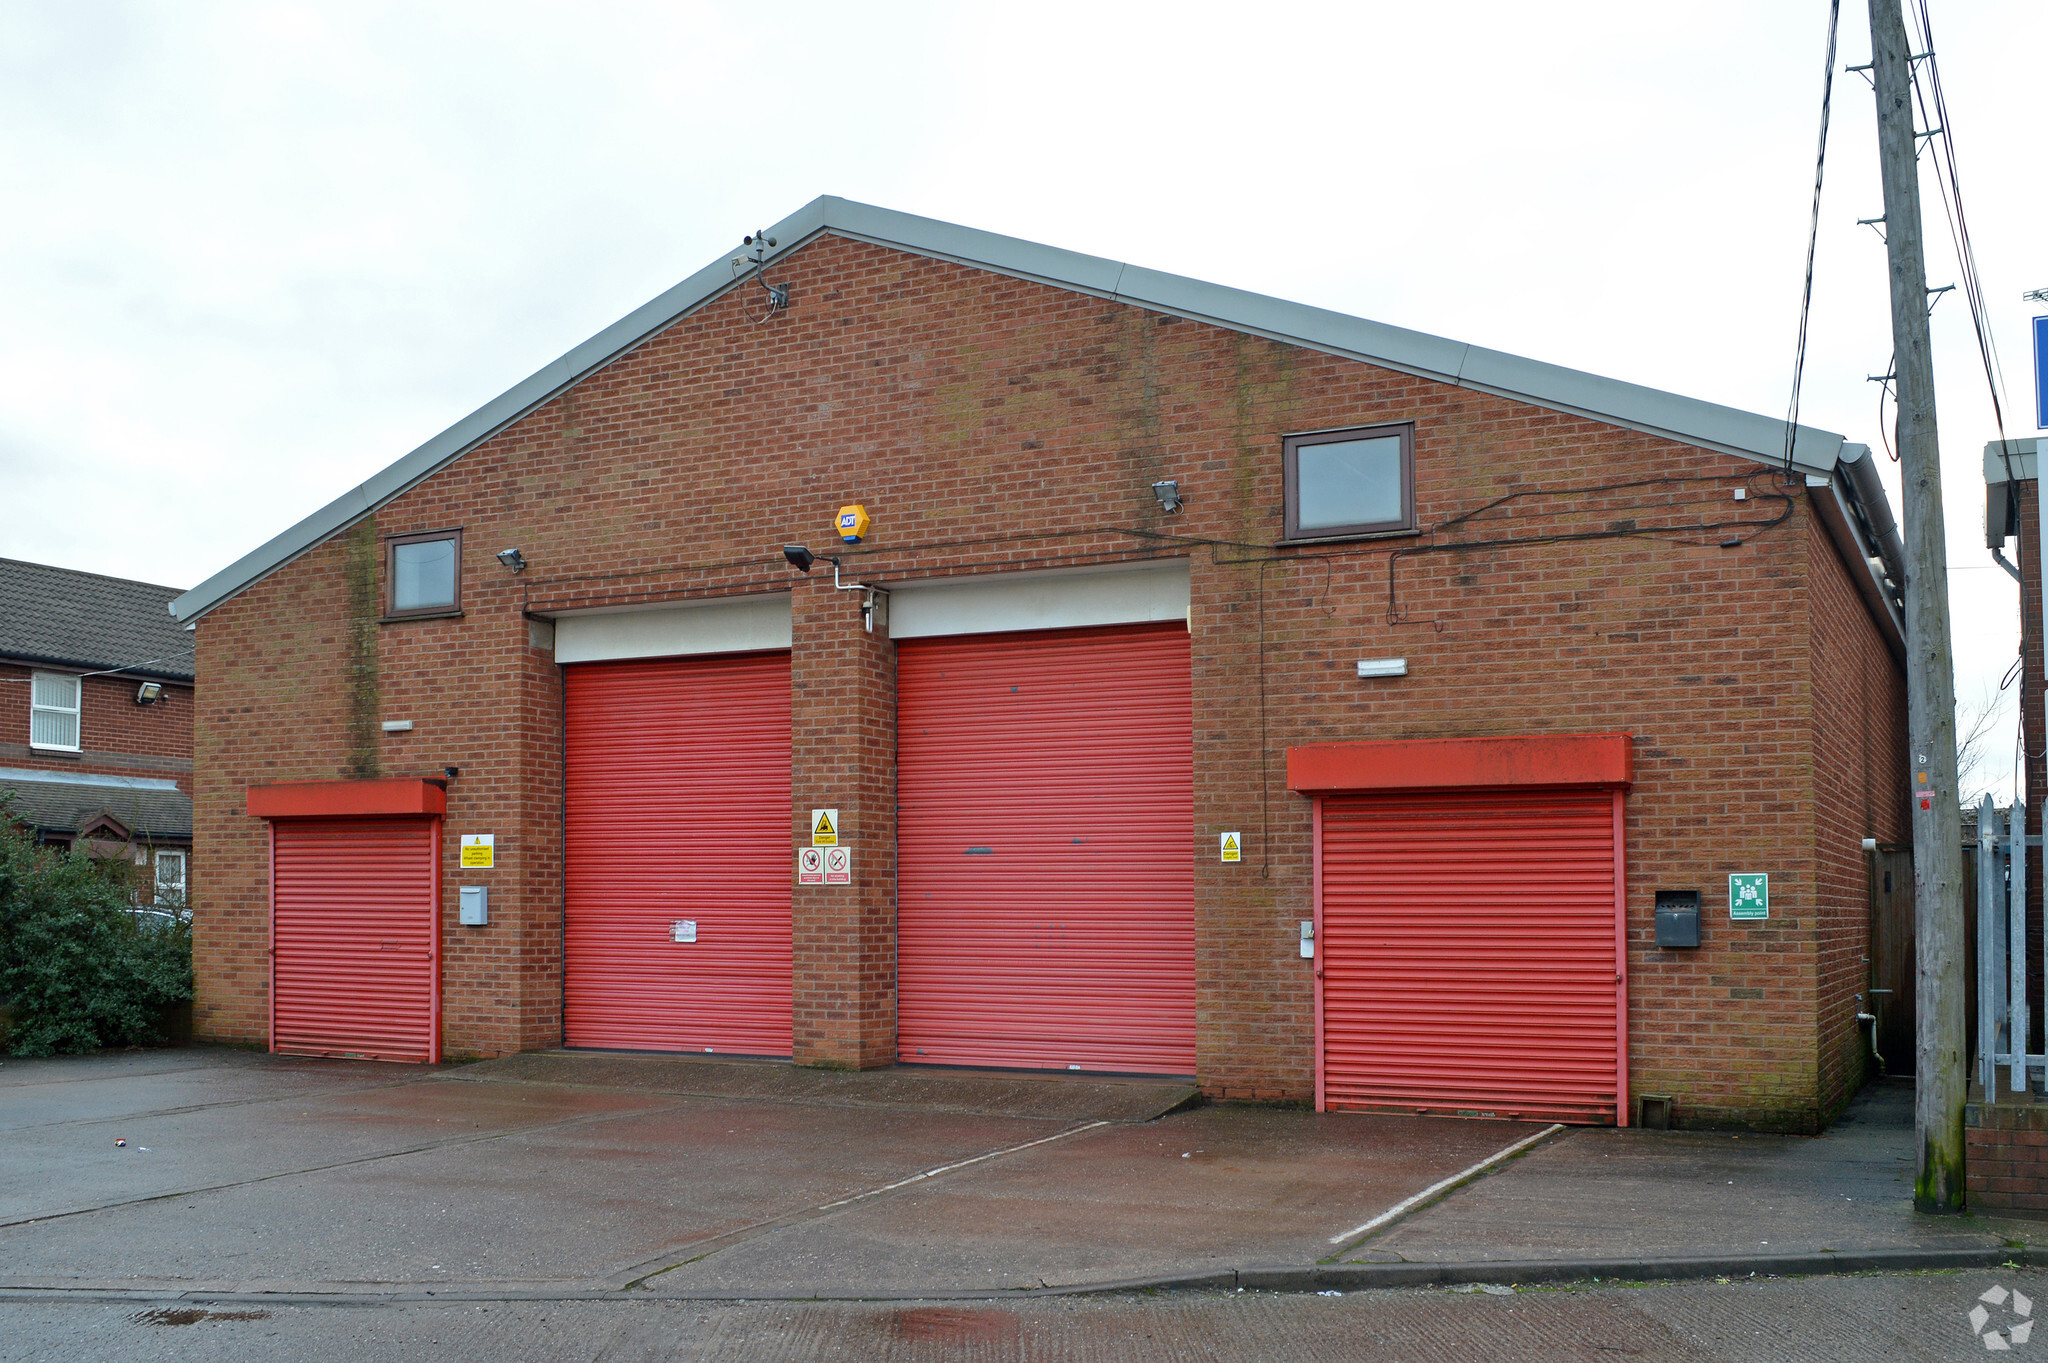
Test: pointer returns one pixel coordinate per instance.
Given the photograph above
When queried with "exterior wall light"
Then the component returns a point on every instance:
(1382, 667)
(800, 558)
(512, 559)
(1167, 490)
(149, 693)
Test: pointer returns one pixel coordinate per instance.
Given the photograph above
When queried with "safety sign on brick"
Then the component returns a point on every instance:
(810, 866)
(839, 866)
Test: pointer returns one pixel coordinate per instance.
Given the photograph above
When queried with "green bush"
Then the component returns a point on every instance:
(82, 970)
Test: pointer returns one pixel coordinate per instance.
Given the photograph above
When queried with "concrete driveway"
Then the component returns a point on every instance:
(569, 1172)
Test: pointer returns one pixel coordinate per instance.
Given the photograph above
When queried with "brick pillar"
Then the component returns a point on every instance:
(843, 756)
(535, 956)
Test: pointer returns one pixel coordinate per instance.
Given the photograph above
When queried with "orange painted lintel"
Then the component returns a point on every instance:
(347, 799)
(1451, 763)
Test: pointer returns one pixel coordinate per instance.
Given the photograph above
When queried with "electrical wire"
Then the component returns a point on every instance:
(1820, 164)
(1948, 179)
(1941, 137)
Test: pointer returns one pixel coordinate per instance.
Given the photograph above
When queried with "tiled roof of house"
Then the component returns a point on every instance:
(151, 810)
(85, 620)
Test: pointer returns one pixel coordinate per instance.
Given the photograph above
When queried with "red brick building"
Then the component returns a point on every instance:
(1224, 687)
(96, 719)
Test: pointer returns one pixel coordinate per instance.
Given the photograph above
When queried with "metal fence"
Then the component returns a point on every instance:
(2002, 1021)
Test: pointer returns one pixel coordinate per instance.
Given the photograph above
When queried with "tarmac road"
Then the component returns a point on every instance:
(1859, 1318)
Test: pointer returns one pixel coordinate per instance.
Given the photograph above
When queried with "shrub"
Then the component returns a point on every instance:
(83, 971)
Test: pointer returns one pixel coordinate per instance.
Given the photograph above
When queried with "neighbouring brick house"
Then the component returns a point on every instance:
(96, 744)
(1225, 687)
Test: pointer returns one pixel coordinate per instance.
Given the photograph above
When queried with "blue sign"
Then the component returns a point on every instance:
(2041, 372)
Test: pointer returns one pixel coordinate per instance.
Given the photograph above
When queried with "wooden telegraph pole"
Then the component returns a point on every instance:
(1940, 1084)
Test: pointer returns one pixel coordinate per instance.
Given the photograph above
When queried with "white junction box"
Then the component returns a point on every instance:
(476, 906)
(1308, 939)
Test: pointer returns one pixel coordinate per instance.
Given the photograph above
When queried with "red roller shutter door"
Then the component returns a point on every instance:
(353, 958)
(679, 811)
(1471, 954)
(1045, 850)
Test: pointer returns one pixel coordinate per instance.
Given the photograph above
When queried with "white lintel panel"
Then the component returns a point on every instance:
(1002, 603)
(741, 624)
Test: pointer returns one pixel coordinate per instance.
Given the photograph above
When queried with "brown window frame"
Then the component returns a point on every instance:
(391, 543)
(1290, 465)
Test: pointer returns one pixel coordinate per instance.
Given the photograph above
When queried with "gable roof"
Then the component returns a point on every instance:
(88, 621)
(1686, 420)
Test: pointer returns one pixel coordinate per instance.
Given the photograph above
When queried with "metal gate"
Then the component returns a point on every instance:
(677, 922)
(2004, 1058)
(355, 955)
(1471, 953)
(1045, 783)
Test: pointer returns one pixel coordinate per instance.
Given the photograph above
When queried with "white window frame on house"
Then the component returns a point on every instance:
(178, 858)
(39, 705)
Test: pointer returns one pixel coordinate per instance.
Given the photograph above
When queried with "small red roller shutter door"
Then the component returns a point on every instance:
(1045, 850)
(679, 812)
(1471, 955)
(353, 958)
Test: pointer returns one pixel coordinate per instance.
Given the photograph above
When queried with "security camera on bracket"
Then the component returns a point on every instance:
(801, 559)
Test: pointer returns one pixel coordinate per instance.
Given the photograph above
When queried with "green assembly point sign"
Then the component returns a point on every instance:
(1749, 896)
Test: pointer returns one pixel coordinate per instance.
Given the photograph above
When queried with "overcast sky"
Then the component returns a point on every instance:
(250, 254)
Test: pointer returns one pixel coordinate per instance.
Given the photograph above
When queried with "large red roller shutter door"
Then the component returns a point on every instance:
(1471, 957)
(678, 780)
(353, 956)
(1045, 832)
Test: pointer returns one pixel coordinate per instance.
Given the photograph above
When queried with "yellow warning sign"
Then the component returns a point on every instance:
(1230, 847)
(824, 828)
(479, 850)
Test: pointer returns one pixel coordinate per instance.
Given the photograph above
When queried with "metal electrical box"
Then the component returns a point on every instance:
(476, 906)
(1678, 918)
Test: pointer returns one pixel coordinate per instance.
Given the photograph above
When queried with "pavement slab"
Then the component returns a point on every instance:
(1603, 1192)
(44, 1092)
(71, 1167)
(538, 1186)
(1193, 1192)
(926, 1088)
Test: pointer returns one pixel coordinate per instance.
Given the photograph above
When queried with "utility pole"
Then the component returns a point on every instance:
(1940, 1083)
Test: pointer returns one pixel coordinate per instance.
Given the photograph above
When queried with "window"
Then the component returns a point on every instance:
(170, 876)
(53, 711)
(425, 573)
(1355, 482)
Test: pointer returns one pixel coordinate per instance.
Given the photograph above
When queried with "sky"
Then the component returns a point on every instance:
(252, 253)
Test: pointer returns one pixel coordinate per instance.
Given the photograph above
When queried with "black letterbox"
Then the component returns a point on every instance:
(1678, 918)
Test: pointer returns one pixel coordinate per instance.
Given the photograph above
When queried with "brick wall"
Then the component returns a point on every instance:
(116, 736)
(1860, 790)
(990, 423)
(2005, 1149)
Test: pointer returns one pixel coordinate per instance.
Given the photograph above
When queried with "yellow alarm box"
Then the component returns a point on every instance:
(853, 523)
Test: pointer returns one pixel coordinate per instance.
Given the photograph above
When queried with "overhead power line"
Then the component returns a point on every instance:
(1820, 165)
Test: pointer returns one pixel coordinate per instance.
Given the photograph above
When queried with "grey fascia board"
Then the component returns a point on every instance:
(2024, 454)
(1856, 554)
(1686, 420)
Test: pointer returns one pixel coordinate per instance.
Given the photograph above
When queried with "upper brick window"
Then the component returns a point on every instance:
(1359, 481)
(53, 711)
(424, 573)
